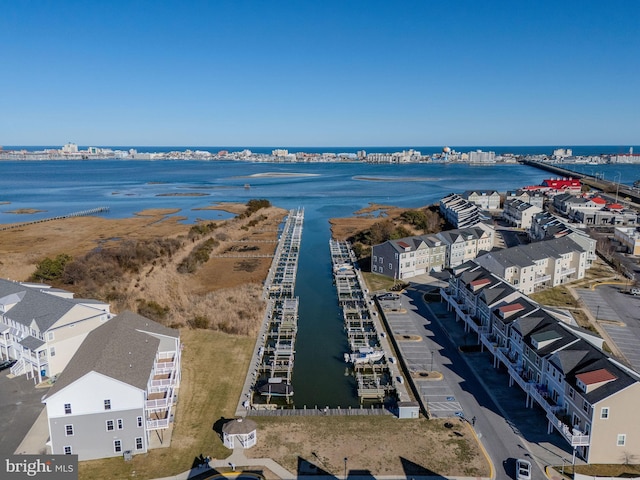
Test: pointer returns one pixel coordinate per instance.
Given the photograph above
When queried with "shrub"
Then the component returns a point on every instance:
(51, 269)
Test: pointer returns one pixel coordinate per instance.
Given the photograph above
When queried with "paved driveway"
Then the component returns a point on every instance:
(19, 406)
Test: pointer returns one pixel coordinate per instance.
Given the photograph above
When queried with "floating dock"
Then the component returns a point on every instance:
(367, 355)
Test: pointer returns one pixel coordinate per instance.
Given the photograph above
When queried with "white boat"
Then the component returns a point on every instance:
(276, 387)
(342, 268)
(364, 355)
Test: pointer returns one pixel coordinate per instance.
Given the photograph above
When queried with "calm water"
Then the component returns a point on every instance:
(325, 191)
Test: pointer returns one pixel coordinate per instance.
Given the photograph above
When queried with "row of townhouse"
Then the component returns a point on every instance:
(546, 226)
(117, 391)
(588, 397)
(531, 197)
(594, 210)
(459, 212)
(407, 257)
(42, 327)
(485, 199)
(519, 213)
(538, 265)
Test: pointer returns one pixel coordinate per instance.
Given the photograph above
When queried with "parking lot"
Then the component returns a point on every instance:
(616, 312)
(20, 406)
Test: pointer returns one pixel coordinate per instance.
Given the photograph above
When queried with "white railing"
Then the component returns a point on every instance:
(574, 440)
(164, 367)
(567, 271)
(19, 368)
(157, 424)
(157, 403)
(541, 278)
(163, 382)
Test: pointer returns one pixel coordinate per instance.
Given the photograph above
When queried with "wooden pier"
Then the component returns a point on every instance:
(82, 213)
(367, 355)
(275, 349)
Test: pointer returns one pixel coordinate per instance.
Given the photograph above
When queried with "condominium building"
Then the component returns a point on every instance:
(117, 391)
(629, 238)
(42, 327)
(538, 265)
(407, 257)
(588, 398)
(485, 199)
(460, 212)
(519, 213)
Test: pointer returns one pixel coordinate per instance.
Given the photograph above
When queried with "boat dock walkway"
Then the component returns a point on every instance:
(82, 213)
(318, 412)
(376, 375)
(272, 362)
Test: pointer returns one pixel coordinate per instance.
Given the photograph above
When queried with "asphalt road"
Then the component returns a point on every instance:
(507, 429)
(19, 406)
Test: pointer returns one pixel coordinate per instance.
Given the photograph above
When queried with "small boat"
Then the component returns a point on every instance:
(247, 186)
(276, 387)
(342, 268)
(364, 355)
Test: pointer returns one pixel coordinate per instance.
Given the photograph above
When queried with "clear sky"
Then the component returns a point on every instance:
(320, 73)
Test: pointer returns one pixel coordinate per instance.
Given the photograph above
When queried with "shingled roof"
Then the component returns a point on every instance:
(120, 349)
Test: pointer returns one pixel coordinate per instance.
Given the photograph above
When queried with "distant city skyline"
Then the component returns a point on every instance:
(330, 73)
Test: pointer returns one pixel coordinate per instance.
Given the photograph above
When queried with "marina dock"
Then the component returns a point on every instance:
(368, 357)
(269, 376)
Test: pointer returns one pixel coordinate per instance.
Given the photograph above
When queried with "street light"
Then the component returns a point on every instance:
(345, 467)
(619, 175)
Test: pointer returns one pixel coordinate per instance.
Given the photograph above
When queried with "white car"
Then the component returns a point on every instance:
(523, 469)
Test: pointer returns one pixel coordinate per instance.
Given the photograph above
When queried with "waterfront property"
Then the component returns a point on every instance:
(459, 212)
(407, 257)
(117, 394)
(538, 265)
(588, 397)
(42, 327)
(485, 199)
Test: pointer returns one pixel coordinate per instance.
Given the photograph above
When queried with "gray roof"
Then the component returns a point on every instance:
(527, 255)
(119, 349)
(32, 343)
(240, 426)
(42, 308)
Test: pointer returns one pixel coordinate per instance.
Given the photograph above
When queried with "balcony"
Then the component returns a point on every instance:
(567, 271)
(541, 279)
(575, 438)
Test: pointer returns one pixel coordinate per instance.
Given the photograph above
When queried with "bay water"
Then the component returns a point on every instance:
(323, 190)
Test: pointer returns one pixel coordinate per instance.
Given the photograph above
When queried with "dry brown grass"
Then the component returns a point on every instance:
(379, 445)
(213, 368)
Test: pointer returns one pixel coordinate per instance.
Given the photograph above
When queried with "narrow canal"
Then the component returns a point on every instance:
(320, 374)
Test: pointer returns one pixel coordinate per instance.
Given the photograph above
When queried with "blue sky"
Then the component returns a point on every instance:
(320, 73)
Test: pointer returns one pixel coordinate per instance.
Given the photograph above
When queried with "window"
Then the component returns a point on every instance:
(571, 392)
(107, 404)
(110, 425)
(138, 443)
(117, 446)
(604, 413)
(67, 408)
(622, 439)
(120, 424)
(50, 336)
(139, 420)
(67, 450)
(68, 430)
(586, 406)
(52, 352)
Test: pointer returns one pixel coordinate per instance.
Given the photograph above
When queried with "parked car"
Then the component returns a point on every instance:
(7, 364)
(523, 469)
(635, 291)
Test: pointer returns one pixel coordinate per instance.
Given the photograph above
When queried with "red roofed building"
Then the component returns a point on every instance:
(553, 186)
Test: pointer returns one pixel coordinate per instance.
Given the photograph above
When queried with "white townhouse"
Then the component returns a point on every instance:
(407, 257)
(42, 327)
(538, 265)
(587, 397)
(519, 213)
(485, 199)
(530, 197)
(118, 389)
(459, 212)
